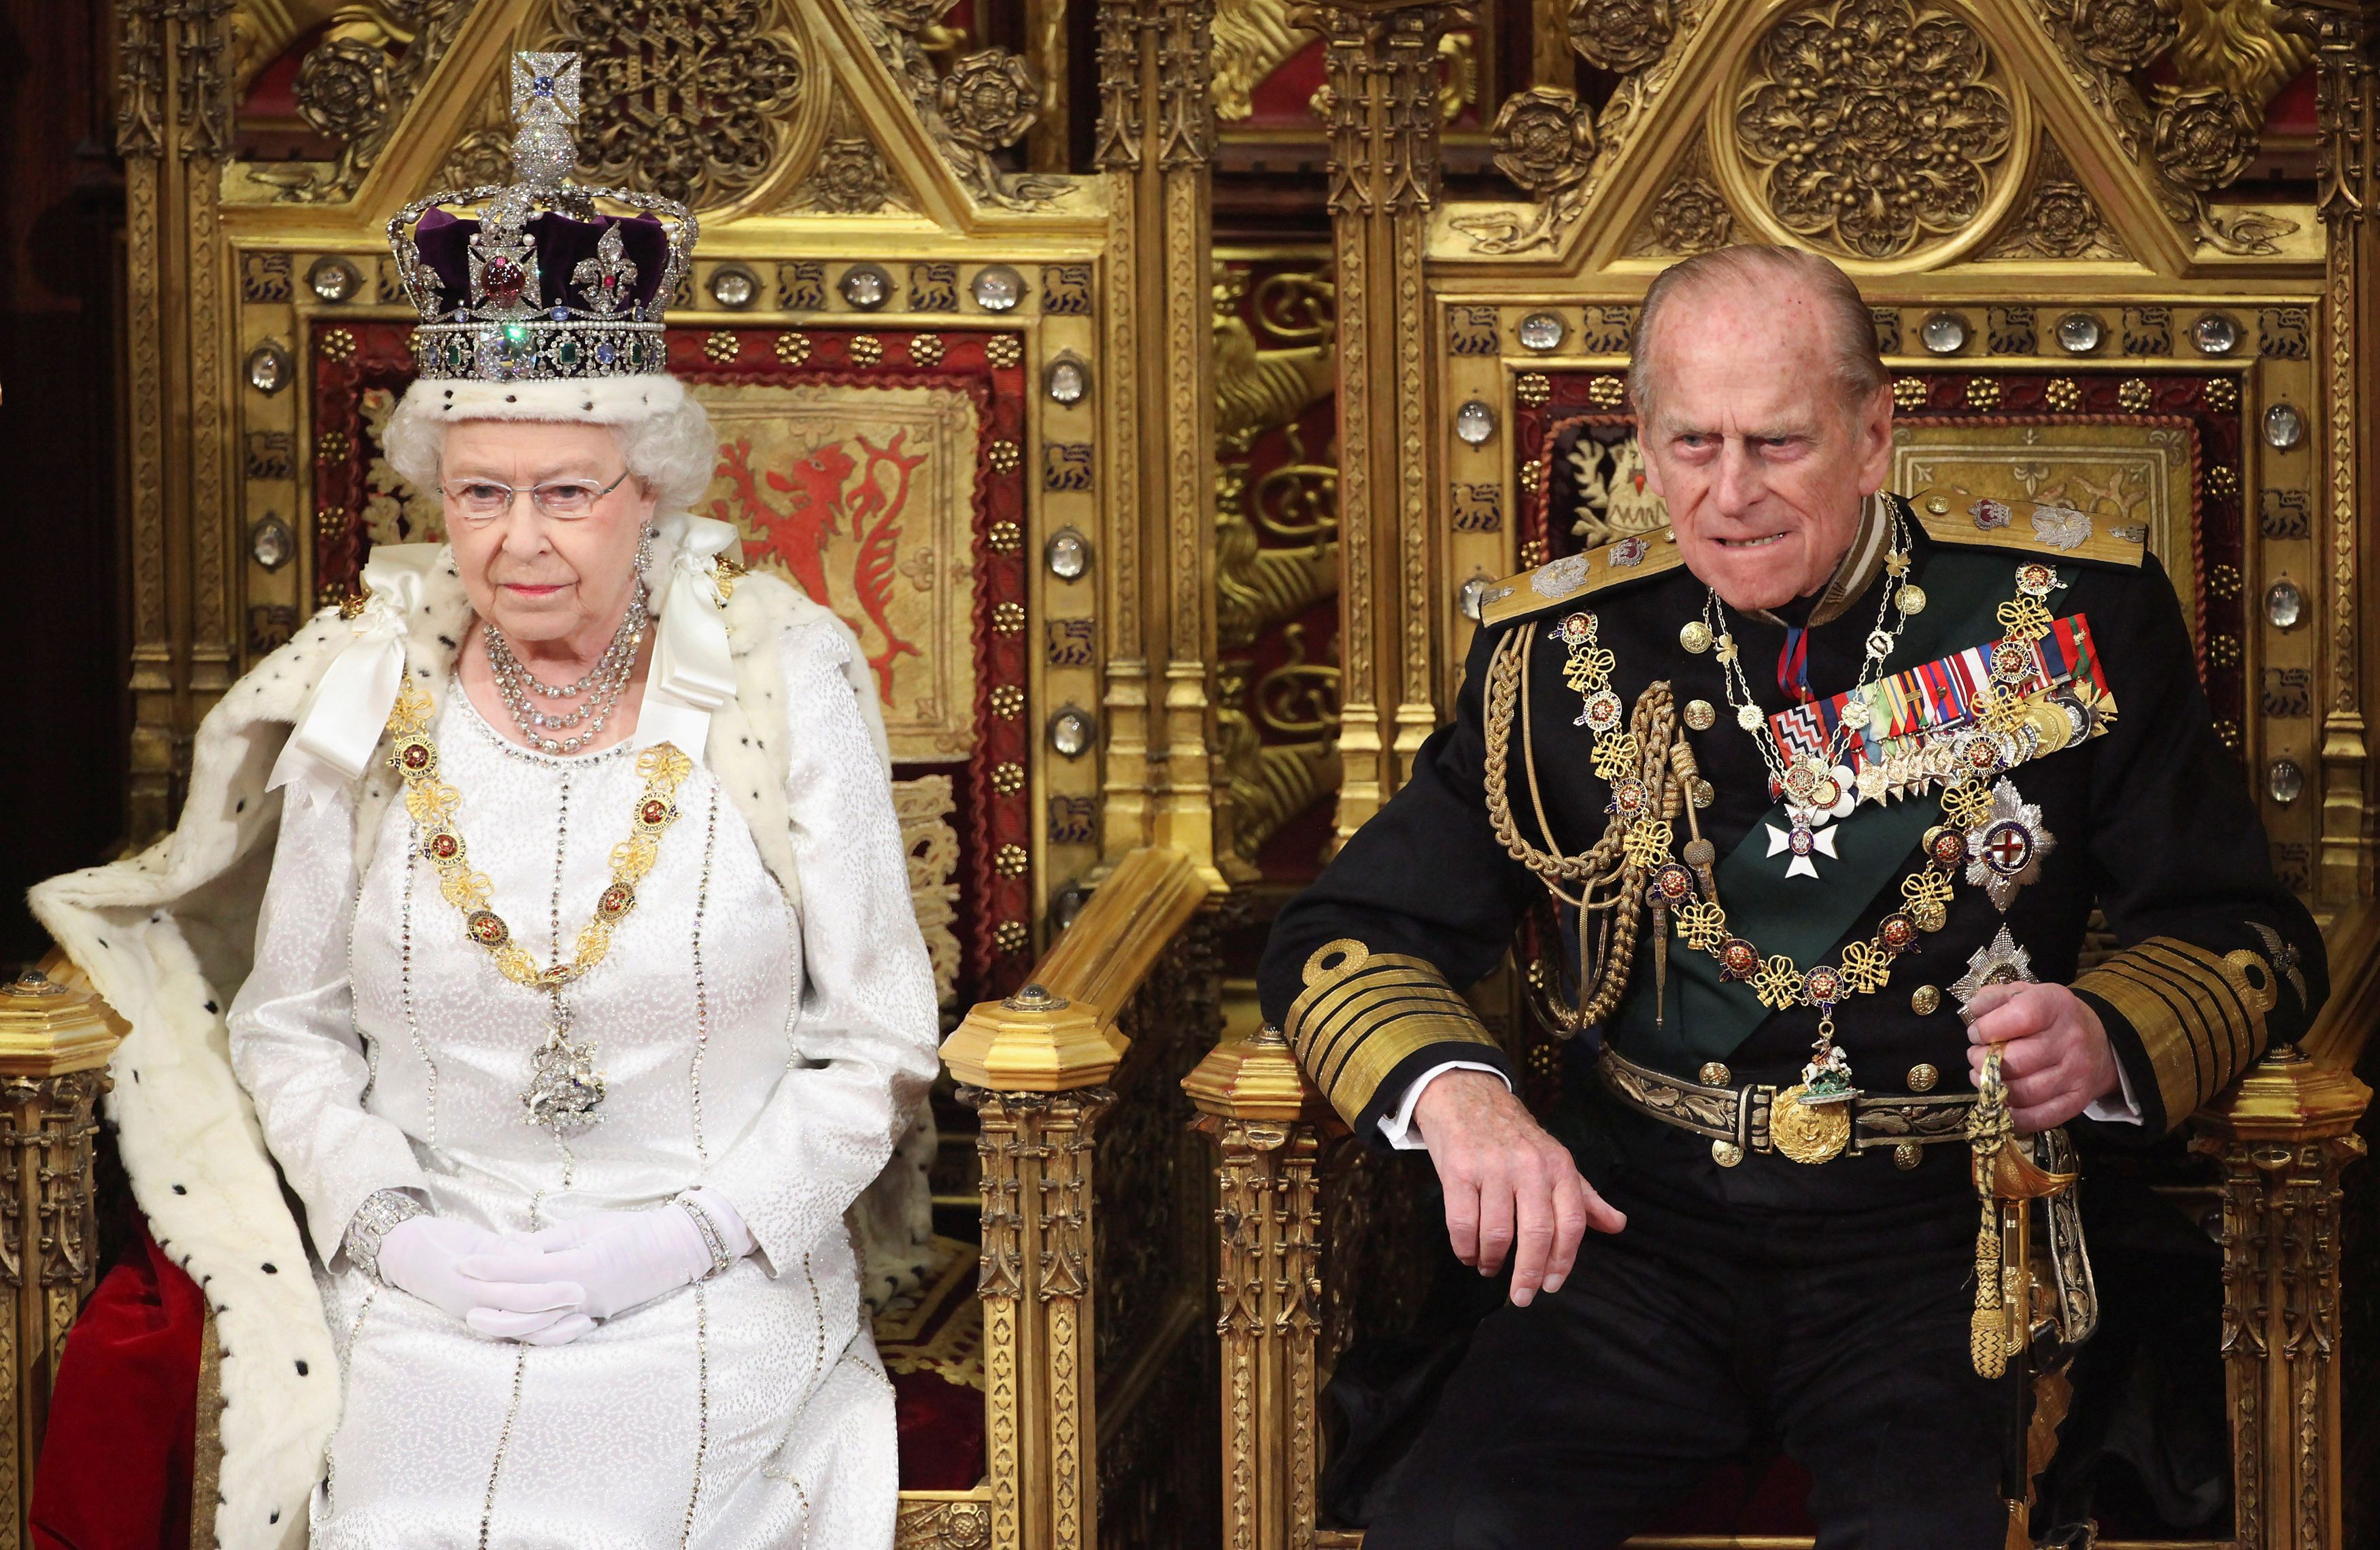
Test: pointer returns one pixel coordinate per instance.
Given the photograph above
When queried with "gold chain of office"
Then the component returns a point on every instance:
(1654, 780)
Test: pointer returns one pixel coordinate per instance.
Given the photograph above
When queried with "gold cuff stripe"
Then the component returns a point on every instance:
(2199, 1017)
(1342, 1022)
(2241, 1020)
(2158, 1019)
(2175, 1018)
(1365, 1013)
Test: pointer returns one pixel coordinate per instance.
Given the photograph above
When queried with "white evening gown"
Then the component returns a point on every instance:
(765, 1050)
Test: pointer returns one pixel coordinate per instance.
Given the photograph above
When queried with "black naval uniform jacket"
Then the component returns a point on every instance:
(2151, 821)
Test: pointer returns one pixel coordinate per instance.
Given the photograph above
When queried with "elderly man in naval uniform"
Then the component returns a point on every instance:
(1818, 787)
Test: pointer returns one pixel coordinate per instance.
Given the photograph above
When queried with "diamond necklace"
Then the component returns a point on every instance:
(1807, 782)
(602, 687)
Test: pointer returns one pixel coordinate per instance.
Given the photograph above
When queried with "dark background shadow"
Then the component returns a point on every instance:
(62, 759)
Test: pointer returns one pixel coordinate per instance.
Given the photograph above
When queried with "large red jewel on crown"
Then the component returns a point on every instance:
(502, 281)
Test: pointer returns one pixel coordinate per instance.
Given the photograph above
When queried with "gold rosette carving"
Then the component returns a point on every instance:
(1877, 129)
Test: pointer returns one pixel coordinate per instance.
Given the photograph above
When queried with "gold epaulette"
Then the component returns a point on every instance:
(1952, 516)
(1576, 578)
(1363, 1014)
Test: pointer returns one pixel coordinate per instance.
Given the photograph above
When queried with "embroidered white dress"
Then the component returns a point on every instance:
(764, 1048)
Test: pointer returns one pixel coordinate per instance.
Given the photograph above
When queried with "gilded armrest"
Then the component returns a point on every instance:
(1035, 1068)
(2282, 1133)
(1059, 1033)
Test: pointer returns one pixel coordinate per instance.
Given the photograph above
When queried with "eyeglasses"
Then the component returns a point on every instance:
(563, 500)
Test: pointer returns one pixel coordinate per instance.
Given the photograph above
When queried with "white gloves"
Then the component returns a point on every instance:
(425, 1256)
(614, 1260)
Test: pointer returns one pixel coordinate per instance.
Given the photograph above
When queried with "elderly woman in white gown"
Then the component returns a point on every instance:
(586, 994)
(575, 1322)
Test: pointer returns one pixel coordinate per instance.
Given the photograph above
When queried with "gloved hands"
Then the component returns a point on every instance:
(618, 1260)
(424, 1256)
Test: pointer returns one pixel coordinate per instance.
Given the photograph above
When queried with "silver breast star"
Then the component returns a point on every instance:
(2004, 851)
(2000, 962)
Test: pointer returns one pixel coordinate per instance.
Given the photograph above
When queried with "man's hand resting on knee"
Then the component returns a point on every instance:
(1510, 1187)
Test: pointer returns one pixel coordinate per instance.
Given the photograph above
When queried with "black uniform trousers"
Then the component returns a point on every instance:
(1679, 1343)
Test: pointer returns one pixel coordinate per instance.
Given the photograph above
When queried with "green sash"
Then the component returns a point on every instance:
(1706, 1018)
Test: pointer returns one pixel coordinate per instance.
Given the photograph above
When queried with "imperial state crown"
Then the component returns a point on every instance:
(541, 285)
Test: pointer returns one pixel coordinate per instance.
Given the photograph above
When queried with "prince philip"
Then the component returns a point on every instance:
(1810, 795)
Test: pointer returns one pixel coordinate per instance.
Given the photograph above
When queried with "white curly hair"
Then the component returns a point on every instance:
(665, 435)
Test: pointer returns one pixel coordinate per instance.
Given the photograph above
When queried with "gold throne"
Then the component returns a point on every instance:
(2118, 295)
(1201, 524)
(953, 326)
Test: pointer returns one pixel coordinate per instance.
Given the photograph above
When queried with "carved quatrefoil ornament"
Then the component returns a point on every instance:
(1878, 132)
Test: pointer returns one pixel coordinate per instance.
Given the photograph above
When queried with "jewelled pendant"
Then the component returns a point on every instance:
(565, 1090)
(1828, 1077)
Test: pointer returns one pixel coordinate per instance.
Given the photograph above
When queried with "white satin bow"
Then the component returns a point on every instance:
(692, 673)
(341, 722)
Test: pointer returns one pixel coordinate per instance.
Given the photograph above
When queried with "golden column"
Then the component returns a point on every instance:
(174, 131)
(2282, 1133)
(1156, 144)
(1379, 97)
(1266, 1120)
(2346, 187)
(1034, 1068)
(54, 1048)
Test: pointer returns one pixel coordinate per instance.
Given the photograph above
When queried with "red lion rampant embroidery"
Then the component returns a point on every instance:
(824, 499)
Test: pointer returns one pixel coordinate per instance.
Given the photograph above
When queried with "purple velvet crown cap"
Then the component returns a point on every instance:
(444, 243)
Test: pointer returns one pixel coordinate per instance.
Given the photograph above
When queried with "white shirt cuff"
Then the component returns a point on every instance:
(1398, 1126)
(2127, 1112)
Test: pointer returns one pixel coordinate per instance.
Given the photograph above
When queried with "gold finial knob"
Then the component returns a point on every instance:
(47, 1029)
(1034, 998)
(1254, 1078)
(1034, 1042)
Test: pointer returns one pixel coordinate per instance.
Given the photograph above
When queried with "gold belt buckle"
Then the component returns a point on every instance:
(1809, 1133)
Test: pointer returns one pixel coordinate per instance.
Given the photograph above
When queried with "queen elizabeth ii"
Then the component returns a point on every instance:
(585, 998)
